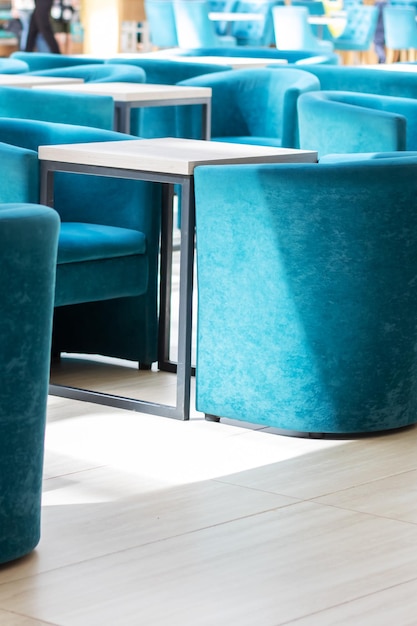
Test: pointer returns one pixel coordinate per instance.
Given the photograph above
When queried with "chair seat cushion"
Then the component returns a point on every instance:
(274, 142)
(86, 242)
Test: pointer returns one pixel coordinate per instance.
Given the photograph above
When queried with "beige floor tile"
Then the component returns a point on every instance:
(265, 569)
(394, 497)
(90, 514)
(12, 619)
(324, 470)
(396, 605)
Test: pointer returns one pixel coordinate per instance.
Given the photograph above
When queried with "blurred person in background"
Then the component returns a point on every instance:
(40, 23)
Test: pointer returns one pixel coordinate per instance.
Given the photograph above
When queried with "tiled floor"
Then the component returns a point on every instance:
(151, 521)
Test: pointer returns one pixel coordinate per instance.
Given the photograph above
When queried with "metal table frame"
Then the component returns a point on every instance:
(122, 110)
(183, 368)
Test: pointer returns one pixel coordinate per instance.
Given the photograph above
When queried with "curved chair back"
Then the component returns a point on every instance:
(57, 106)
(291, 56)
(194, 27)
(161, 22)
(28, 254)
(107, 274)
(46, 60)
(95, 73)
(400, 30)
(344, 122)
(303, 325)
(292, 30)
(256, 106)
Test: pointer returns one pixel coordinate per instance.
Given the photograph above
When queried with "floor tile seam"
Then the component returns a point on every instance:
(362, 484)
(347, 602)
(31, 617)
(73, 473)
(360, 512)
(138, 546)
(296, 499)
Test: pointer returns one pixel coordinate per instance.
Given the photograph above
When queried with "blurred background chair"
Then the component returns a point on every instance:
(219, 6)
(292, 31)
(400, 30)
(28, 252)
(46, 60)
(194, 27)
(57, 106)
(338, 122)
(161, 23)
(107, 272)
(255, 32)
(356, 41)
(257, 106)
(326, 232)
(97, 73)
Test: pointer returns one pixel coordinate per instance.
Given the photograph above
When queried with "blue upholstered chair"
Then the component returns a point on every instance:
(362, 79)
(358, 34)
(314, 329)
(28, 252)
(292, 30)
(161, 121)
(56, 106)
(255, 32)
(47, 60)
(257, 106)
(97, 73)
(338, 122)
(161, 22)
(106, 281)
(194, 27)
(219, 6)
(400, 29)
(297, 57)
(13, 66)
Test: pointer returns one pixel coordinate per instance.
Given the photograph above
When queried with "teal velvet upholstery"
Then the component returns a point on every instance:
(19, 171)
(47, 60)
(366, 156)
(306, 295)
(292, 56)
(56, 106)
(359, 32)
(339, 122)
(400, 28)
(194, 27)
(28, 248)
(161, 121)
(253, 105)
(363, 79)
(97, 73)
(258, 32)
(13, 66)
(161, 23)
(107, 273)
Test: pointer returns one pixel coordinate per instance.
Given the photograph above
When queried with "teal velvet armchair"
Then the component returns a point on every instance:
(47, 60)
(68, 108)
(338, 122)
(257, 106)
(28, 252)
(307, 295)
(97, 73)
(107, 272)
